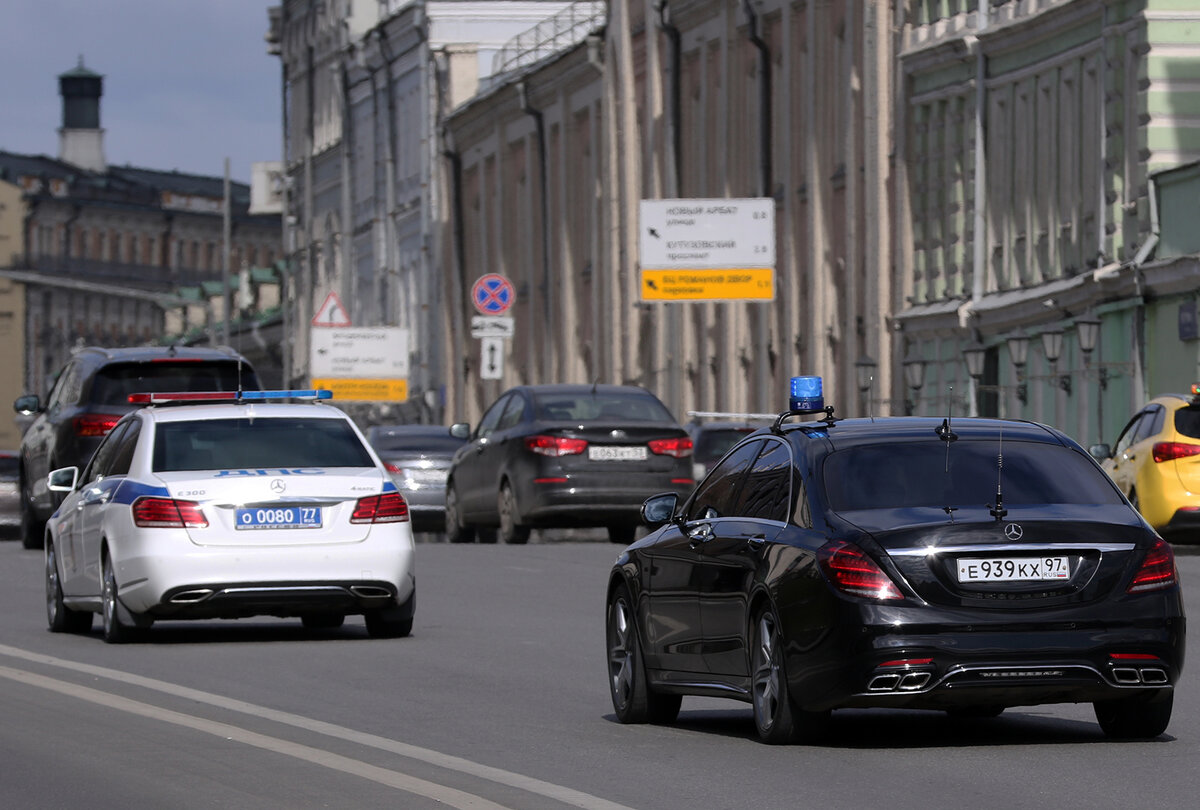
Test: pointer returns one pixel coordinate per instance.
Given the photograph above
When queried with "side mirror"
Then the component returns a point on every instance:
(27, 404)
(460, 430)
(1100, 452)
(63, 479)
(659, 509)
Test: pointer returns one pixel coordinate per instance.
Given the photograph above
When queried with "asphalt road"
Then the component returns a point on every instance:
(497, 700)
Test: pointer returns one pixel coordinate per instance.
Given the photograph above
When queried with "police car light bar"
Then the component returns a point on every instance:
(228, 396)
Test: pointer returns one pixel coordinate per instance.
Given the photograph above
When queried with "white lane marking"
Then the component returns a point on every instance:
(569, 796)
(395, 779)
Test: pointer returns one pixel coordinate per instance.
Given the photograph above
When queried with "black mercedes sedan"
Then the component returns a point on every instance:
(965, 565)
(562, 455)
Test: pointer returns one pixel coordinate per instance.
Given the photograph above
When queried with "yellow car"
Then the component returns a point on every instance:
(1156, 463)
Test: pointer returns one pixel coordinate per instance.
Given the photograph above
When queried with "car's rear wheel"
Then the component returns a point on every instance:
(1141, 716)
(456, 530)
(60, 617)
(632, 699)
(512, 531)
(778, 720)
(621, 533)
(116, 631)
(322, 621)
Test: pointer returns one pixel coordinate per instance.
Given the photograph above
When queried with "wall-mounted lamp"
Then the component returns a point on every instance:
(974, 357)
(1018, 352)
(1052, 343)
(1089, 333)
(914, 377)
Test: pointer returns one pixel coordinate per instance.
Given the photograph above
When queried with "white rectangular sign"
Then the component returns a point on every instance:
(483, 326)
(491, 358)
(707, 233)
(379, 352)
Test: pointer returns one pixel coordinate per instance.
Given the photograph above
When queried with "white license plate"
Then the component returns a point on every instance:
(275, 517)
(602, 453)
(1013, 569)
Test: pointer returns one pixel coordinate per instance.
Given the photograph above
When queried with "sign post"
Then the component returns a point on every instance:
(493, 295)
(367, 364)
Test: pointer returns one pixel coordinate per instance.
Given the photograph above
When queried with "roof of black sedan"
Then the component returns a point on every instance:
(849, 432)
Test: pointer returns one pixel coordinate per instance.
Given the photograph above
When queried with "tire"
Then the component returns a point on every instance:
(116, 631)
(322, 621)
(1140, 717)
(59, 617)
(621, 534)
(512, 531)
(632, 699)
(456, 530)
(394, 622)
(33, 531)
(776, 717)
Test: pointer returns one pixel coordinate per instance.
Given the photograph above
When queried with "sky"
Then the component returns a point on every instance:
(187, 83)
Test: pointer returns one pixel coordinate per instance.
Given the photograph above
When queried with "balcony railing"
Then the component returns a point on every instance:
(564, 29)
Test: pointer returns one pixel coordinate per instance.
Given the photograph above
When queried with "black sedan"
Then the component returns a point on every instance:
(965, 566)
(564, 456)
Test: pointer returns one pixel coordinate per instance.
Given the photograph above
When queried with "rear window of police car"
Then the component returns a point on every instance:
(232, 444)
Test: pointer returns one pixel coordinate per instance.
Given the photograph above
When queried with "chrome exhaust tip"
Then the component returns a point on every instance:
(914, 681)
(191, 597)
(1154, 676)
(1126, 675)
(883, 683)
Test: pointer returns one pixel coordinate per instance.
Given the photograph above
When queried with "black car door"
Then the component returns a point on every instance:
(673, 627)
(474, 471)
(730, 559)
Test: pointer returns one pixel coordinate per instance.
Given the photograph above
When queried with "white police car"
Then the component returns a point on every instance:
(227, 505)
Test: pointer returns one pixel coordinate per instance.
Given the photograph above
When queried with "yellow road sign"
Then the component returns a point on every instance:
(727, 284)
(364, 389)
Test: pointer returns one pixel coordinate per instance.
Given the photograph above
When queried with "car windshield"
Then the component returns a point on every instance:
(895, 475)
(1187, 421)
(232, 444)
(602, 406)
(114, 383)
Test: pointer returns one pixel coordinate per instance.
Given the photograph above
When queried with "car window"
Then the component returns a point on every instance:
(101, 460)
(1126, 437)
(112, 384)
(122, 459)
(718, 493)
(900, 475)
(9, 467)
(767, 490)
(278, 442)
(491, 417)
(513, 413)
(1187, 421)
(601, 406)
(1151, 423)
(66, 388)
(414, 443)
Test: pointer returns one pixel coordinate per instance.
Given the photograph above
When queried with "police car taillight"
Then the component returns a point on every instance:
(389, 507)
(167, 513)
(163, 398)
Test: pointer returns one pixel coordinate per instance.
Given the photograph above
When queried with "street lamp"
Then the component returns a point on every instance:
(1052, 342)
(1089, 333)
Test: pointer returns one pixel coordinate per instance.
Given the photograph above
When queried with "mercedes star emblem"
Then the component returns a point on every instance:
(277, 485)
(1013, 532)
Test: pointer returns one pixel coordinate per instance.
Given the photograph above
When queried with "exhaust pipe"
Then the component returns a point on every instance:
(191, 597)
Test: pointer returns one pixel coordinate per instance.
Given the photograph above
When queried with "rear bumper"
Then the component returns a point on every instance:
(583, 503)
(896, 657)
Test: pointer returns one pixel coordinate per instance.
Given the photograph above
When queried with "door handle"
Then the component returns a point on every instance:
(700, 534)
(756, 541)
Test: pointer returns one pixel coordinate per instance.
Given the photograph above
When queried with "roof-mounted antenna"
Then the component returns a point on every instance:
(998, 511)
(944, 431)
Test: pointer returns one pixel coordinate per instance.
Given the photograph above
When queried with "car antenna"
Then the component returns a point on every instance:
(998, 511)
(947, 434)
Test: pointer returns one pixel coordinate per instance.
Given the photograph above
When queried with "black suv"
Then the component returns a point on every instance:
(88, 397)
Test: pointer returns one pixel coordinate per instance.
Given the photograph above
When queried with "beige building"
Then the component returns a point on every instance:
(12, 310)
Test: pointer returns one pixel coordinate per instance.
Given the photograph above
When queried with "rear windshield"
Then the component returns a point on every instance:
(964, 473)
(1187, 421)
(713, 443)
(113, 384)
(417, 444)
(236, 444)
(601, 407)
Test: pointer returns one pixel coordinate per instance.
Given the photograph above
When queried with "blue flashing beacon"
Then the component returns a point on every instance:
(806, 395)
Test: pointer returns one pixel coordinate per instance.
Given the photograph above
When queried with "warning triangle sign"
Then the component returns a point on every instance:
(331, 313)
